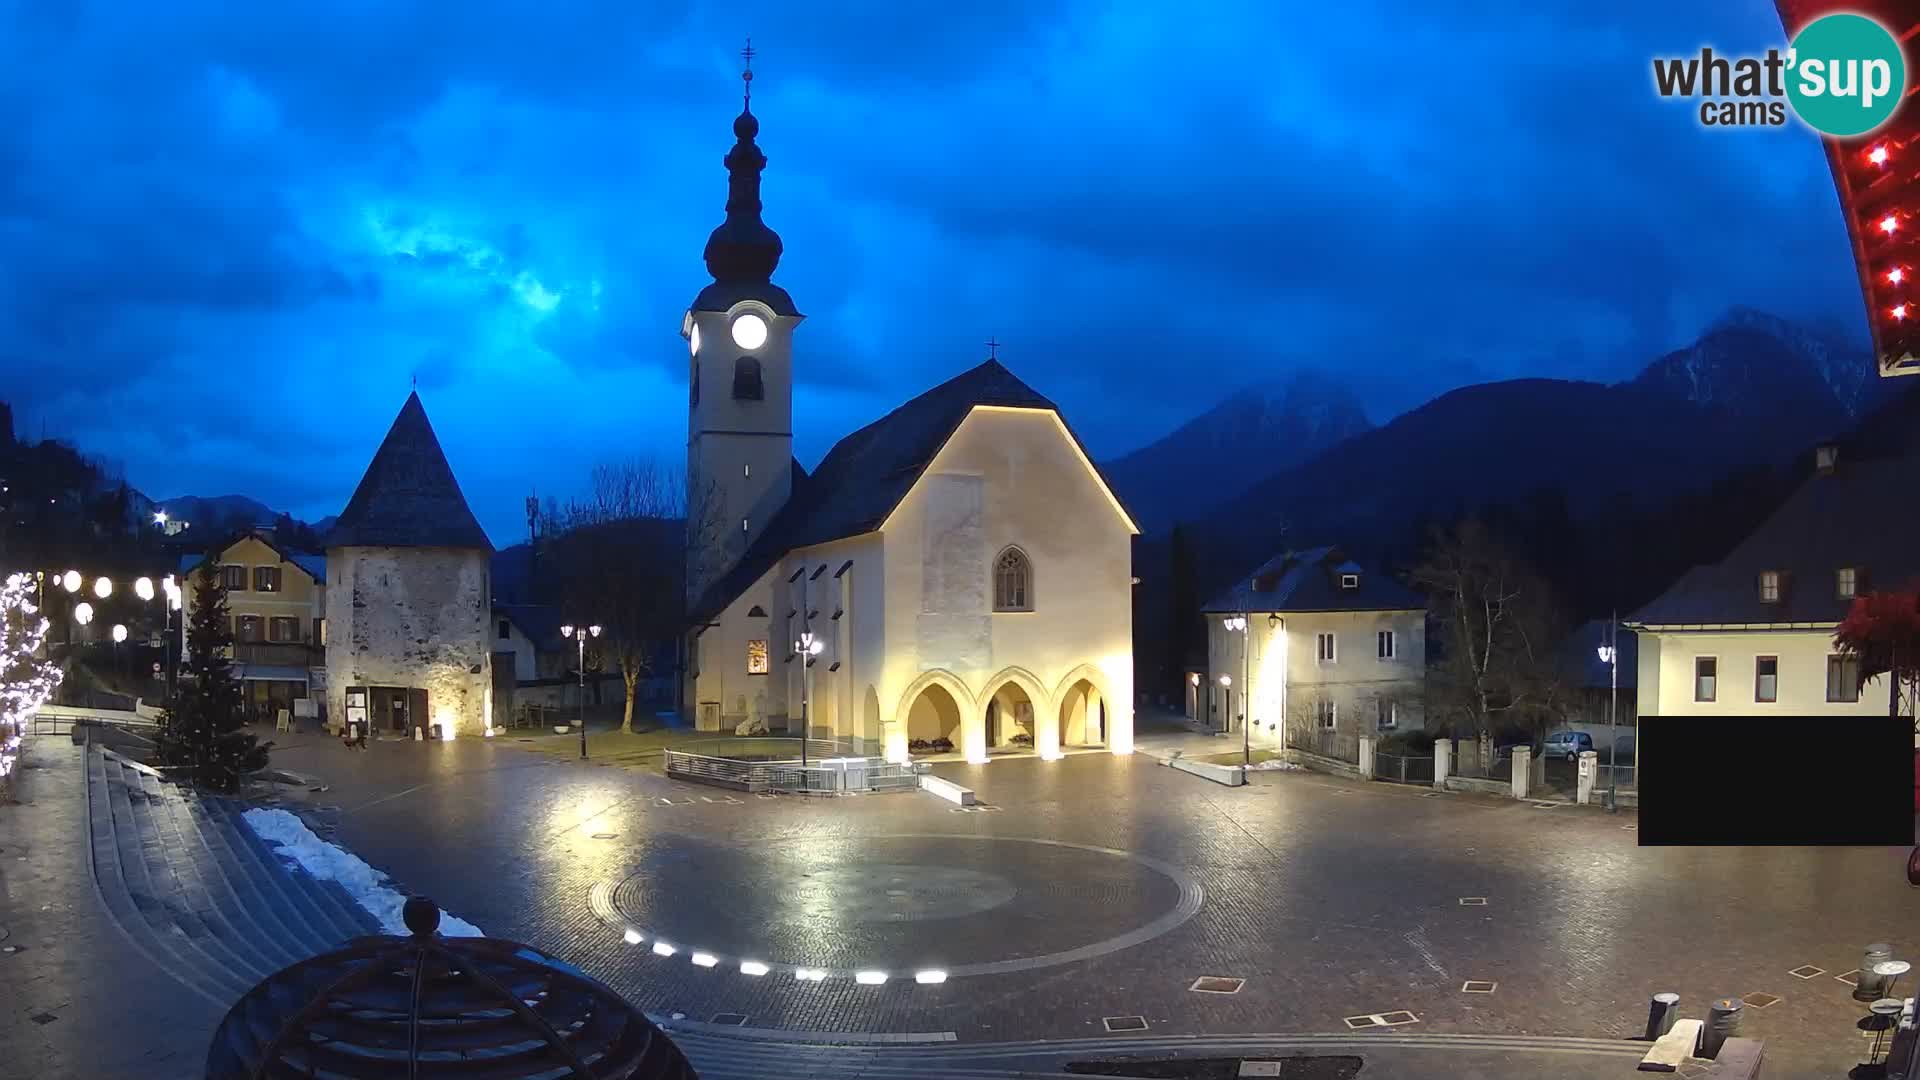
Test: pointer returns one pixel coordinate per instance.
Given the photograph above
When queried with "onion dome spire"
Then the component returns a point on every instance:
(743, 250)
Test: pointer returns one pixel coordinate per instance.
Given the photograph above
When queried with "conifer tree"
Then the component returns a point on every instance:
(202, 731)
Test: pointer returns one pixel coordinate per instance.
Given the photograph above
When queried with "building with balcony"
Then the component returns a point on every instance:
(276, 601)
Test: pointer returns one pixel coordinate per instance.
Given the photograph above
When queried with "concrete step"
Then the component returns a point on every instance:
(331, 915)
(185, 905)
(121, 878)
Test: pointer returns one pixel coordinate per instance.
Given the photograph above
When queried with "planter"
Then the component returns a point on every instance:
(562, 729)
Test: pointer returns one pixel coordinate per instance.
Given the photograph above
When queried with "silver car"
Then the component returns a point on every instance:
(1567, 744)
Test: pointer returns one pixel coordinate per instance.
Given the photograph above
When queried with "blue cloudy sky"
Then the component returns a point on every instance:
(228, 241)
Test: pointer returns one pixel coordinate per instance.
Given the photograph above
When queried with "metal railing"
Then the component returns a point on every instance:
(831, 776)
(1403, 768)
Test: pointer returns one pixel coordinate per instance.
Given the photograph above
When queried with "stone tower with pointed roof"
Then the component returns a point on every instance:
(408, 594)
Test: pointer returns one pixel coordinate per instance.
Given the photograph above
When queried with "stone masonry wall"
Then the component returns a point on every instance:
(412, 617)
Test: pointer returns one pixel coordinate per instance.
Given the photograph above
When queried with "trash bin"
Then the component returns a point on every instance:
(1871, 987)
(1723, 1023)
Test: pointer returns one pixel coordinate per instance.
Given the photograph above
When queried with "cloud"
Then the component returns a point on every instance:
(230, 243)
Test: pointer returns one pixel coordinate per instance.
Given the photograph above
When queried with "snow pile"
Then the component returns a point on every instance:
(328, 862)
(1276, 765)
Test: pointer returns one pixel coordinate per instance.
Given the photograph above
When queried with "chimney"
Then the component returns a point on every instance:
(1825, 458)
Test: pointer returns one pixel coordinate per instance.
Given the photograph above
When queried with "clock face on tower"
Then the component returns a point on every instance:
(749, 331)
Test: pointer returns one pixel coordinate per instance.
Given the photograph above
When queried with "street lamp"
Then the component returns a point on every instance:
(70, 581)
(580, 634)
(808, 647)
(102, 588)
(1610, 656)
(1238, 624)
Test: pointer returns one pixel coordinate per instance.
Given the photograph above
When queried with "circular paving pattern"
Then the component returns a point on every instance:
(963, 905)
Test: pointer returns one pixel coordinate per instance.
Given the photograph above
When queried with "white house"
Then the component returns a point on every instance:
(957, 570)
(407, 602)
(1314, 650)
(1753, 633)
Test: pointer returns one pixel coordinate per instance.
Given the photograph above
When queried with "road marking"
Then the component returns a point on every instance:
(1807, 971)
(1217, 984)
(1473, 901)
(730, 1019)
(1418, 940)
(1386, 1019)
(1759, 1000)
(1478, 986)
(1124, 1023)
(1849, 977)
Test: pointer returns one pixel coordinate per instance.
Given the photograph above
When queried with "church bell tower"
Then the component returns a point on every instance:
(739, 335)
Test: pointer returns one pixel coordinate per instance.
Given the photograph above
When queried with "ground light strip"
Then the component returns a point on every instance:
(600, 901)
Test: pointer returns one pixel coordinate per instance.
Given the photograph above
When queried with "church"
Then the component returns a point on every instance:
(956, 575)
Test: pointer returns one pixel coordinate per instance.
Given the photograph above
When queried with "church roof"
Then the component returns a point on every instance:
(866, 475)
(408, 498)
(1309, 581)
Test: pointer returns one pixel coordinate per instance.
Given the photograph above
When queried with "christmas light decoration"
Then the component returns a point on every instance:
(143, 588)
(119, 633)
(1878, 155)
(102, 588)
(71, 580)
(1888, 224)
(83, 613)
(26, 680)
(1896, 275)
(1899, 311)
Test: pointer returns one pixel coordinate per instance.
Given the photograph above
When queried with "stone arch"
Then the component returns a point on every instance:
(1045, 727)
(972, 731)
(1080, 716)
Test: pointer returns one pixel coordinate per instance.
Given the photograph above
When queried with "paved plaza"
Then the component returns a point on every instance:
(1082, 901)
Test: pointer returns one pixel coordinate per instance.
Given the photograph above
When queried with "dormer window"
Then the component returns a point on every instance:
(1349, 581)
(1846, 582)
(1769, 586)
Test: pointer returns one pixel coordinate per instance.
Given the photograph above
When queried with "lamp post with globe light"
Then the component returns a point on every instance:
(1238, 624)
(1610, 656)
(580, 634)
(808, 647)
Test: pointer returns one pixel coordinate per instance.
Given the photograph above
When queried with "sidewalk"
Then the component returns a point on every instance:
(81, 1001)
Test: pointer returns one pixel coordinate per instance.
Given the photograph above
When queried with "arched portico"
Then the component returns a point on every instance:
(1085, 710)
(971, 720)
(1012, 686)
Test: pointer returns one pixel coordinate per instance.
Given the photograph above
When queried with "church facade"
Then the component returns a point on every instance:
(956, 574)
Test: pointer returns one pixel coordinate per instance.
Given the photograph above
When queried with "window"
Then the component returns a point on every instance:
(234, 578)
(1012, 581)
(1323, 648)
(506, 630)
(1705, 674)
(757, 656)
(1389, 714)
(1769, 586)
(1846, 582)
(319, 631)
(1843, 678)
(1766, 678)
(246, 628)
(1384, 644)
(266, 579)
(1325, 714)
(1349, 581)
(283, 629)
(747, 385)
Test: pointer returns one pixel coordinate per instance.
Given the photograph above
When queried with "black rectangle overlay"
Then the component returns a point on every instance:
(1780, 781)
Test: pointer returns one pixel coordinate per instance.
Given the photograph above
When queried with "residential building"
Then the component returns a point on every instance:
(276, 605)
(1330, 651)
(1753, 633)
(408, 595)
(955, 572)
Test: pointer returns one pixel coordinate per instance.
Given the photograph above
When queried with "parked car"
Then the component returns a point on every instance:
(1567, 744)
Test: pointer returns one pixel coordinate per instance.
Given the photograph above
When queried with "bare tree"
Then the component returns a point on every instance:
(617, 556)
(1495, 620)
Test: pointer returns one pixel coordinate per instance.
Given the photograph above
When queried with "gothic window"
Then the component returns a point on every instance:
(1012, 581)
(746, 380)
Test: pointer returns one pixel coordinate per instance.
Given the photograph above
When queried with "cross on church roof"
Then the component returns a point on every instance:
(993, 349)
(746, 73)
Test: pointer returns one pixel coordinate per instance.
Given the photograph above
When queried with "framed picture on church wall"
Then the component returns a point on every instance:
(757, 656)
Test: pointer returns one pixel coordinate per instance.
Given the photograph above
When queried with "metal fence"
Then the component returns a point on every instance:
(826, 776)
(1338, 745)
(1403, 768)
